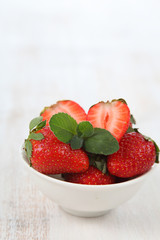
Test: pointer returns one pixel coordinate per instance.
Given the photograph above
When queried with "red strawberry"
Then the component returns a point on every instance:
(66, 106)
(135, 156)
(113, 116)
(92, 176)
(51, 156)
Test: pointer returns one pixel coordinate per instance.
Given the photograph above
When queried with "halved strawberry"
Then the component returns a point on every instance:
(113, 116)
(66, 106)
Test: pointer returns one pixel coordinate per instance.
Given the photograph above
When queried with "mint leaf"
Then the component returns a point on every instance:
(34, 122)
(28, 149)
(101, 142)
(76, 142)
(35, 136)
(85, 129)
(63, 126)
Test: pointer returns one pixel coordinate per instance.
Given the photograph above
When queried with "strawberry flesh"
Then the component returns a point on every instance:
(113, 116)
(92, 176)
(66, 106)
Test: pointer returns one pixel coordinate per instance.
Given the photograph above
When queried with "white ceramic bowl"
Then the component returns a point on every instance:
(85, 200)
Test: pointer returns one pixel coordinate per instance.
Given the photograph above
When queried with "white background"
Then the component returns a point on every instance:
(87, 51)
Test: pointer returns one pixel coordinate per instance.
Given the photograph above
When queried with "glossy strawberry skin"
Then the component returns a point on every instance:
(113, 116)
(66, 106)
(92, 176)
(135, 156)
(51, 156)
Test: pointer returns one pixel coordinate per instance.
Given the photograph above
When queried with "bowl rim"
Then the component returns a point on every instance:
(85, 186)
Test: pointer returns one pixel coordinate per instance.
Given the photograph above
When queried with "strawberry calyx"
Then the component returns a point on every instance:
(132, 119)
(120, 100)
(35, 125)
(98, 161)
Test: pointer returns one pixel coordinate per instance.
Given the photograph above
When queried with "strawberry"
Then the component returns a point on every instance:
(92, 176)
(113, 116)
(51, 156)
(66, 106)
(135, 156)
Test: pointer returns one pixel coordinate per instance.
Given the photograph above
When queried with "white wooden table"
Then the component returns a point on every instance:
(86, 51)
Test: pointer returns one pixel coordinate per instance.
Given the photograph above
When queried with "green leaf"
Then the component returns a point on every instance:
(157, 152)
(101, 142)
(101, 165)
(35, 136)
(98, 161)
(130, 129)
(63, 126)
(41, 125)
(34, 122)
(92, 158)
(76, 142)
(28, 148)
(85, 129)
(132, 119)
(121, 100)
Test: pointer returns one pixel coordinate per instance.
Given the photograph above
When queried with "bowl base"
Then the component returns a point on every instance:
(84, 214)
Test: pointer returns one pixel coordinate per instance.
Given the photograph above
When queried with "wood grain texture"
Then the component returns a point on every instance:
(62, 50)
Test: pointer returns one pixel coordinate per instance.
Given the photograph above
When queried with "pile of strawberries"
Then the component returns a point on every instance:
(100, 147)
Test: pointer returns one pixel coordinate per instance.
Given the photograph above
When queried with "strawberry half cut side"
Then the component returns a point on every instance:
(113, 116)
(66, 106)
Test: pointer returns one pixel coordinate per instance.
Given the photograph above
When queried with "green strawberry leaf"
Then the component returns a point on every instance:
(28, 149)
(157, 152)
(130, 129)
(41, 125)
(101, 165)
(35, 136)
(63, 126)
(132, 119)
(121, 100)
(92, 157)
(85, 129)
(98, 161)
(101, 142)
(76, 142)
(34, 122)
